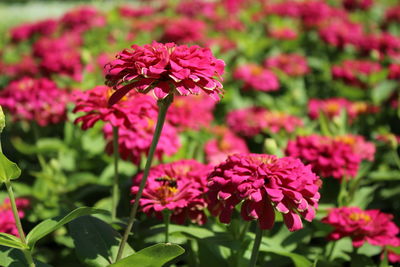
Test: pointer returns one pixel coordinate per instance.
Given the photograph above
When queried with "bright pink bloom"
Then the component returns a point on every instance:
(264, 183)
(28, 30)
(372, 226)
(38, 100)
(27, 66)
(339, 157)
(179, 187)
(128, 11)
(183, 30)
(192, 8)
(7, 222)
(340, 33)
(164, 69)
(351, 71)
(136, 134)
(191, 113)
(257, 78)
(283, 34)
(352, 5)
(291, 64)
(332, 107)
(82, 19)
(225, 144)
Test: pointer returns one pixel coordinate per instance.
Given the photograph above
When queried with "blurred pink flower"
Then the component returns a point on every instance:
(291, 64)
(257, 78)
(351, 71)
(164, 69)
(128, 11)
(28, 30)
(371, 226)
(179, 187)
(38, 100)
(184, 30)
(264, 183)
(7, 222)
(82, 18)
(340, 33)
(283, 33)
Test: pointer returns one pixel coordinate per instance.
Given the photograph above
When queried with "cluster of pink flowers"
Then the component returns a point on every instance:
(337, 157)
(178, 187)
(26, 67)
(257, 78)
(38, 100)
(82, 18)
(340, 33)
(264, 183)
(28, 30)
(135, 117)
(351, 71)
(372, 226)
(191, 113)
(251, 121)
(130, 12)
(7, 222)
(184, 30)
(192, 8)
(332, 107)
(164, 69)
(225, 143)
(291, 64)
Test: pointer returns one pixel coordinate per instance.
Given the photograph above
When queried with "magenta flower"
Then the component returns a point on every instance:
(283, 33)
(184, 30)
(338, 157)
(351, 71)
(225, 144)
(371, 226)
(179, 187)
(38, 100)
(340, 33)
(264, 183)
(7, 222)
(191, 113)
(257, 78)
(82, 19)
(291, 64)
(28, 30)
(164, 69)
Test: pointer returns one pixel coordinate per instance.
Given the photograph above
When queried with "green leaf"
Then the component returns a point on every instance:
(394, 249)
(96, 243)
(154, 256)
(8, 169)
(46, 227)
(383, 91)
(298, 260)
(11, 257)
(11, 241)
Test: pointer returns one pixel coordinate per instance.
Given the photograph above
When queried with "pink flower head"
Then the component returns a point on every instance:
(392, 14)
(27, 66)
(136, 134)
(338, 157)
(39, 100)
(291, 64)
(179, 187)
(277, 121)
(352, 5)
(340, 33)
(264, 183)
(128, 11)
(371, 226)
(332, 107)
(192, 8)
(165, 69)
(7, 222)
(26, 31)
(82, 18)
(351, 71)
(184, 30)
(191, 113)
(226, 143)
(283, 34)
(257, 78)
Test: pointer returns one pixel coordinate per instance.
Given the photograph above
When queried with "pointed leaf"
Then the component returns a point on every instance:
(8, 169)
(11, 241)
(154, 256)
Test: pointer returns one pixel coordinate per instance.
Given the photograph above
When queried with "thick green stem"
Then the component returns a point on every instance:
(162, 113)
(330, 254)
(167, 219)
(21, 233)
(115, 188)
(256, 247)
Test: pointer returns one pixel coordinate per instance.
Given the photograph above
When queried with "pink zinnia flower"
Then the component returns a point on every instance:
(7, 222)
(291, 64)
(191, 113)
(165, 69)
(350, 71)
(264, 183)
(283, 34)
(340, 33)
(371, 226)
(82, 19)
(392, 14)
(183, 30)
(178, 187)
(226, 143)
(128, 11)
(257, 78)
(338, 157)
(192, 8)
(38, 100)
(28, 30)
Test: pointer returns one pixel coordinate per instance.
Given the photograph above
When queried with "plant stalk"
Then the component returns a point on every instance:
(256, 247)
(21, 233)
(163, 106)
(167, 220)
(115, 189)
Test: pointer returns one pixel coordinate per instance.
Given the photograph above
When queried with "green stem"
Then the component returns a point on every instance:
(167, 219)
(396, 158)
(256, 247)
(21, 233)
(115, 188)
(330, 254)
(40, 157)
(162, 113)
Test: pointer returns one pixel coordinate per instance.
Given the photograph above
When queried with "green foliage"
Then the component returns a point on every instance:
(8, 169)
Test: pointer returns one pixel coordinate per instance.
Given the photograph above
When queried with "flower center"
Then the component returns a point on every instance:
(360, 216)
(332, 108)
(168, 188)
(256, 70)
